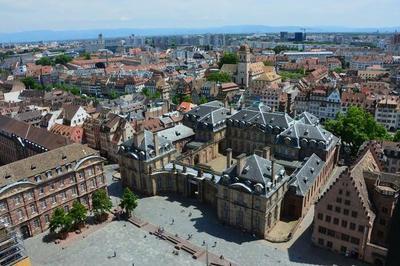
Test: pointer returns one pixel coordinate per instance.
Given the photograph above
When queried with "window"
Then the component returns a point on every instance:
(6, 220)
(344, 223)
(29, 195)
(339, 200)
(331, 232)
(352, 226)
(69, 167)
(343, 249)
(320, 216)
(38, 178)
(354, 214)
(83, 187)
(72, 179)
(345, 237)
(17, 200)
(329, 244)
(327, 218)
(2, 206)
(36, 223)
(20, 214)
(345, 211)
(33, 208)
(329, 207)
(62, 182)
(74, 191)
(53, 199)
(93, 183)
(41, 190)
(347, 202)
(63, 195)
(48, 174)
(81, 175)
(47, 218)
(322, 230)
(66, 208)
(59, 170)
(335, 221)
(348, 193)
(52, 186)
(355, 240)
(337, 209)
(320, 241)
(43, 203)
(360, 228)
(340, 192)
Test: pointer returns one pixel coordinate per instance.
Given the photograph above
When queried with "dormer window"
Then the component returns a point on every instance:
(69, 167)
(48, 174)
(38, 178)
(59, 170)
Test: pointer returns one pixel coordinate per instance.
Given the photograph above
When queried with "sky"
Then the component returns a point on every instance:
(28, 15)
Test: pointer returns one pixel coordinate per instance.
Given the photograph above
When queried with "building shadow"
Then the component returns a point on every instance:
(305, 252)
(209, 223)
(115, 189)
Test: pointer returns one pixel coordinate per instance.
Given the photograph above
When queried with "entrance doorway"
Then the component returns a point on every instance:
(193, 189)
(25, 232)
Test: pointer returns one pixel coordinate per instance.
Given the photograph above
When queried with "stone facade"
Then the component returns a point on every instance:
(36, 186)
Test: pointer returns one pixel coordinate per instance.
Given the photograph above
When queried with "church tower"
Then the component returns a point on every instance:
(243, 66)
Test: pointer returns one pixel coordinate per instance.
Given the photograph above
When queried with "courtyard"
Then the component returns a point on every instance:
(179, 216)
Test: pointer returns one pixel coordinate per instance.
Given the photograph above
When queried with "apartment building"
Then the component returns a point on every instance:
(19, 140)
(353, 216)
(387, 112)
(32, 188)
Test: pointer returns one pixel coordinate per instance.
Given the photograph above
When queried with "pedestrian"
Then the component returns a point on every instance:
(115, 253)
(204, 242)
(190, 214)
(215, 243)
(172, 221)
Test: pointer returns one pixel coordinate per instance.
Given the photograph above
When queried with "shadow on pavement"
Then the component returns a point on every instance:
(303, 251)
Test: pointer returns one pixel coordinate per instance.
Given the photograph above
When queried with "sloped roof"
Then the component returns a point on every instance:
(305, 177)
(36, 135)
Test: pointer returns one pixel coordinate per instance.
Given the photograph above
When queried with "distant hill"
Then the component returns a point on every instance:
(49, 35)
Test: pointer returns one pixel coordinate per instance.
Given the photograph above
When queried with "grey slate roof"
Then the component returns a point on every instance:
(256, 171)
(212, 114)
(262, 118)
(305, 176)
(176, 133)
(308, 118)
(300, 131)
(146, 150)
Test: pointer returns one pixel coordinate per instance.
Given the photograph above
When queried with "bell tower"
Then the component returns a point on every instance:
(243, 66)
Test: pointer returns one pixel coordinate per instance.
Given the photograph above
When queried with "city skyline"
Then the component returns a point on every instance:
(74, 15)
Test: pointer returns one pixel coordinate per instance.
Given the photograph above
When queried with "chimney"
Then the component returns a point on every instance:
(228, 157)
(138, 137)
(273, 178)
(240, 160)
(156, 143)
(267, 153)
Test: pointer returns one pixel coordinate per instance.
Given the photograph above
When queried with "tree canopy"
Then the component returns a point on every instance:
(219, 77)
(101, 202)
(280, 48)
(355, 127)
(78, 213)
(31, 83)
(44, 61)
(228, 58)
(396, 136)
(129, 201)
(60, 221)
(62, 59)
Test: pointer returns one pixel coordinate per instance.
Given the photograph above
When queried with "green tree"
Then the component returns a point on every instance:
(57, 220)
(186, 98)
(280, 48)
(113, 95)
(86, 56)
(396, 136)
(338, 70)
(203, 100)
(355, 127)
(44, 61)
(228, 58)
(78, 214)
(60, 222)
(219, 77)
(101, 203)
(128, 202)
(62, 59)
(31, 83)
